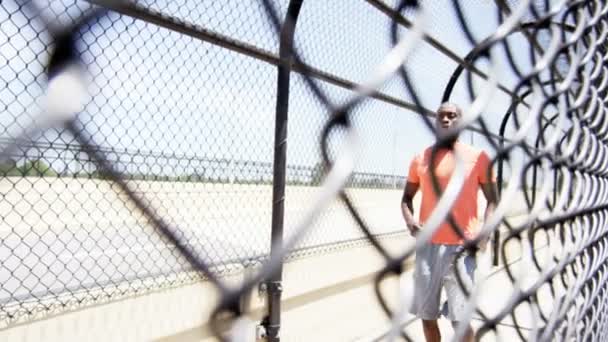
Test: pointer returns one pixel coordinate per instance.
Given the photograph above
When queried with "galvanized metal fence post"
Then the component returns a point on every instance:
(272, 321)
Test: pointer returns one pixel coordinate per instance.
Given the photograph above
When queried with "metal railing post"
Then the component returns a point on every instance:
(272, 322)
(500, 177)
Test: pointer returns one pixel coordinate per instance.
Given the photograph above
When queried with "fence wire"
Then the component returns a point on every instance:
(123, 159)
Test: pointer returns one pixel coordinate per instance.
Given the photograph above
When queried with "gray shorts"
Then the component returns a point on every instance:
(435, 270)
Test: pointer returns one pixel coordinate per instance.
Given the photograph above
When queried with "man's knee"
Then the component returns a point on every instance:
(430, 323)
(469, 328)
(456, 324)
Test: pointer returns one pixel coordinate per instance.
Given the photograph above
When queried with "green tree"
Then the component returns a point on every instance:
(317, 174)
(37, 168)
(9, 168)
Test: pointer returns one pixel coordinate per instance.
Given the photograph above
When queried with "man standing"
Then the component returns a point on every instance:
(436, 262)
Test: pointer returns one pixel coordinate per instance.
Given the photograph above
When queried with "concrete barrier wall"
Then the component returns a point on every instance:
(42, 204)
(60, 234)
(328, 297)
(322, 297)
(60, 203)
(323, 282)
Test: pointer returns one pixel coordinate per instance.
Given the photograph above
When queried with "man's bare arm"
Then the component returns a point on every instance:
(490, 191)
(407, 207)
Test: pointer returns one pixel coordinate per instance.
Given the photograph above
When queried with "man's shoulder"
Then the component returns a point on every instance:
(422, 155)
(471, 151)
(461, 147)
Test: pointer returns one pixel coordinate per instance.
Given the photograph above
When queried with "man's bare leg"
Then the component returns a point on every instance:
(431, 330)
(469, 335)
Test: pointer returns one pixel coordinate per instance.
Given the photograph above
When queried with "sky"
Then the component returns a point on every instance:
(162, 92)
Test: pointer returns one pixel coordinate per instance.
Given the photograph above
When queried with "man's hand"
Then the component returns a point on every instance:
(407, 208)
(414, 228)
(490, 191)
(483, 244)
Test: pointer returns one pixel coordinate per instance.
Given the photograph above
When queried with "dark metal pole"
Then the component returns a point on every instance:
(555, 175)
(447, 92)
(446, 96)
(501, 133)
(535, 167)
(272, 321)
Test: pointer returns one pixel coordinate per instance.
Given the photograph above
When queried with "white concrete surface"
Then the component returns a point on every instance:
(90, 231)
(181, 314)
(327, 297)
(62, 234)
(67, 234)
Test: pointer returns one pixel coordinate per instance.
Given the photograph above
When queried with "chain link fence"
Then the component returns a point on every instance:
(177, 119)
(163, 168)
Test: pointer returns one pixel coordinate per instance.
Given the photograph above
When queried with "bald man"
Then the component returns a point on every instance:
(436, 261)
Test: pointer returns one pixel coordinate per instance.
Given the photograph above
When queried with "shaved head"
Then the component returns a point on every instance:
(450, 107)
(448, 116)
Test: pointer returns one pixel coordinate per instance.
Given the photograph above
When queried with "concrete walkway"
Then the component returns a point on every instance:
(495, 290)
